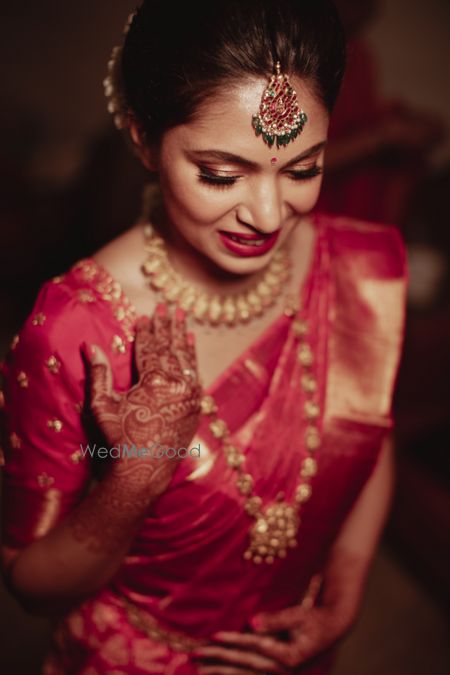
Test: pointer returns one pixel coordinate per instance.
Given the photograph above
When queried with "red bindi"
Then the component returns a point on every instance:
(274, 160)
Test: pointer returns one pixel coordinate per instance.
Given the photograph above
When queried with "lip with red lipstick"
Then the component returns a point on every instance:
(236, 242)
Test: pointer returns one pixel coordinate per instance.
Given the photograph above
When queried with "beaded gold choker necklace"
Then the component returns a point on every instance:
(214, 309)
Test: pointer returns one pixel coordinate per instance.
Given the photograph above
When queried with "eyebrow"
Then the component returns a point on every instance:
(237, 159)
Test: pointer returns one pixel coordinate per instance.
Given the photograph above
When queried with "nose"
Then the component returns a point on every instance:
(262, 207)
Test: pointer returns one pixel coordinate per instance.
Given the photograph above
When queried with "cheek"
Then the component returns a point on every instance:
(306, 197)
(192, 201)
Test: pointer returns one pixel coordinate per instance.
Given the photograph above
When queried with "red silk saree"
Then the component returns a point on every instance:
(185, 571)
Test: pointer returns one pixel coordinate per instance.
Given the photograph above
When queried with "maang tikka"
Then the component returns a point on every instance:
(280, 117)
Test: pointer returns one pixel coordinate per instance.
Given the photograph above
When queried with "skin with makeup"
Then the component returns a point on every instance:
(212, 188)
(230, 203)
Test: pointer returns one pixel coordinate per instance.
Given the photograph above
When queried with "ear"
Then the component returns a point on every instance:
(145, 153)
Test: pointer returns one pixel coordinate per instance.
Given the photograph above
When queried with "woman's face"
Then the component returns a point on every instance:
(217, 176)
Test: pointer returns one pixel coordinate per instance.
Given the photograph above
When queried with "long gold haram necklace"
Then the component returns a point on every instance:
(214, 309)
(277, 523)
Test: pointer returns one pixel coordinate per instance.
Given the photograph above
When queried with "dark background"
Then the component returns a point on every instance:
(68, 183)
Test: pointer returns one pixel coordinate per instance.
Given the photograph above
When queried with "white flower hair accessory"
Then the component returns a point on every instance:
(113, 84)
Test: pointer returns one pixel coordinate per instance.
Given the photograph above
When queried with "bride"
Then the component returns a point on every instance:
(251, 341)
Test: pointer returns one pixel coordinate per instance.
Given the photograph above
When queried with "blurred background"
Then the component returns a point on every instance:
(69, 183)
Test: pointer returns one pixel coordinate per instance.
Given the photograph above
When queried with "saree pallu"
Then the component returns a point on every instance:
(185, 572)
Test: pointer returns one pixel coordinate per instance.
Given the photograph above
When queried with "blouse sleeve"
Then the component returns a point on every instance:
(46, 467)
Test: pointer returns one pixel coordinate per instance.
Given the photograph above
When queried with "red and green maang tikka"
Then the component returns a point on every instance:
(280, 118)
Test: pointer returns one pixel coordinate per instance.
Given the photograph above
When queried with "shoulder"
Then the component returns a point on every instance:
(48, 340)
(82, 306)
(371, 249)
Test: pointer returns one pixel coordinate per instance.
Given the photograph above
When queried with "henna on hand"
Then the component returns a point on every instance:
(311, 628)
(162, 408)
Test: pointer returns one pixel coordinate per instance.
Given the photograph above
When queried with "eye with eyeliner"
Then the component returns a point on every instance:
(210, 178)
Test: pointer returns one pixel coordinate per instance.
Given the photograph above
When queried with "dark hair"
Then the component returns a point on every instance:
(173, 60)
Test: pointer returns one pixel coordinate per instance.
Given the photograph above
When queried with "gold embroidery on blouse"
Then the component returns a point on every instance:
(85, 295)
(58, 279)
(2, 400)
(111, 292)
(15, 440)
(22, 379)
(53, 364)
(15, 341)
(50, 508)
(39, 319)
(45, 480)
(77, 456)
(55, 424)
(88, 271)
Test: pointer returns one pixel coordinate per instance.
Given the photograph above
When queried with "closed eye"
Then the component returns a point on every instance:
(215, 180)
(306, 173)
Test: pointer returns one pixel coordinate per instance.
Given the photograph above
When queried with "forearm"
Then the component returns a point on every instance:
(83, 552)
(354, 549)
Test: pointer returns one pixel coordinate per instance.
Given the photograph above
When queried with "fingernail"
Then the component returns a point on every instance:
(161, 309)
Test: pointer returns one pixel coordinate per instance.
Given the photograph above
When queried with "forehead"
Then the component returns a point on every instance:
(224, 122)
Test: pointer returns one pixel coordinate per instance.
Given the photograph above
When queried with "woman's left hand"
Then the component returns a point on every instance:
(311, 631)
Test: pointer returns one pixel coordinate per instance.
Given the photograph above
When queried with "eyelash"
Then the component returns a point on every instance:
(227, 181)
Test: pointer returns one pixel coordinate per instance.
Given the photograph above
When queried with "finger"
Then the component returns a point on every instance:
(237, 657)
(248, 640)
(144, 345)
(179, 337)
(101, 375)
(191, 351)
(281, 651)
(162, 327)
(183, 345)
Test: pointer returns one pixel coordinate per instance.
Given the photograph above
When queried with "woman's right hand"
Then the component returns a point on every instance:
(160, 411)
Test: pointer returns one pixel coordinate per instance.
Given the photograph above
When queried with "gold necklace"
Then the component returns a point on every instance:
(213, 309)
(277, 523)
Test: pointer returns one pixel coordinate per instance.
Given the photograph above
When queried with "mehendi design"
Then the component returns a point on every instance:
(162, 409)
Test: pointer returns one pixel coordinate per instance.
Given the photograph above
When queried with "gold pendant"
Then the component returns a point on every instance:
(275, 530)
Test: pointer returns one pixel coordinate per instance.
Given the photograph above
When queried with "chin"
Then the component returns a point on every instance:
(241, 265)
